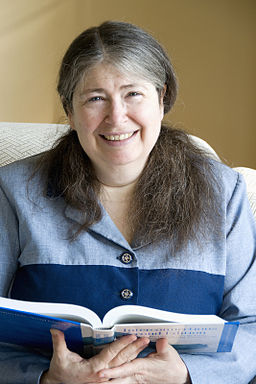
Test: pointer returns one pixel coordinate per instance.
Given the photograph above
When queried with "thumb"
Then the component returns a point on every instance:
(59, 343)
(162, 346)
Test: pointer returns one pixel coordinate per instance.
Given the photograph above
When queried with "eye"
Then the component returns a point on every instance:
(134, 93)
(95, 98)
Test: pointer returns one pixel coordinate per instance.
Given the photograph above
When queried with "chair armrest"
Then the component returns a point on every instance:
(20, 140)
(250, 179)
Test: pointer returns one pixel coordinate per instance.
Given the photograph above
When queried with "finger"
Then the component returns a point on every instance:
(130, 352)
(124, 380)
(166, 351)
(59, 343)
(162, 346)
(125, 370)
(107, 354)
(112, 350)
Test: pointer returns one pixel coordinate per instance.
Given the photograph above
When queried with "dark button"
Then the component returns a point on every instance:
(126, 258)
(126, 294)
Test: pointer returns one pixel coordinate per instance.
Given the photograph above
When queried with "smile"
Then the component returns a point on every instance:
(121, 137)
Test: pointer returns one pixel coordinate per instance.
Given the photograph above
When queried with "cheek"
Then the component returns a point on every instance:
(151, 118)
(153, 127)
(86, 125)
(152, 112)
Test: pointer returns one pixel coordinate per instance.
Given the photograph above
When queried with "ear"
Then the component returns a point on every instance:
(161, 100)
(68, 113)
(71, 121)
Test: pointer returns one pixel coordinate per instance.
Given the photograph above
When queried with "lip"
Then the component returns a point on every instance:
(117, 133)
(118, 142)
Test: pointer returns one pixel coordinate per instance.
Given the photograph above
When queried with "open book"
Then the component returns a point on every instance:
(29, 323)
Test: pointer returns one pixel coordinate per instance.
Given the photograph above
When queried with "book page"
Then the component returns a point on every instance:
(185, 338)
(95, 340)
(58, 310)
(140, 314)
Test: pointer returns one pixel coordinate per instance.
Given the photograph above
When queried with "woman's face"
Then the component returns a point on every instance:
(117, 118)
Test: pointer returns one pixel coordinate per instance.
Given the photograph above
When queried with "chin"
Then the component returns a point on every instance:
(127, 160)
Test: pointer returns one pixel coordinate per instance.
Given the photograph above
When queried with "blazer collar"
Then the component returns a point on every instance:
(105, 227)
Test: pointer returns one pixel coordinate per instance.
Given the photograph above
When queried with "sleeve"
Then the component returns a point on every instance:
(239, 301)
(17, 364)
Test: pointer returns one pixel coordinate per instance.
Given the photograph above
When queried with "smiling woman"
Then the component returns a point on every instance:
(111, 87)
(120, 182)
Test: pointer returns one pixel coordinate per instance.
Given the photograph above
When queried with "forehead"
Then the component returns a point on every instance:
(107, 75)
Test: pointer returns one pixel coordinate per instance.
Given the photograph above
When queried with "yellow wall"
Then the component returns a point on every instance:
(212, 44)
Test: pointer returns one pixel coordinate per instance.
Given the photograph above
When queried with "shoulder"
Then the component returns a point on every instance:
(227, 178)
(14, 177)
(20, 169)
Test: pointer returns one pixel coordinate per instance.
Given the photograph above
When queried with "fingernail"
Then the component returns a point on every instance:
(131, 338)
(53, 332)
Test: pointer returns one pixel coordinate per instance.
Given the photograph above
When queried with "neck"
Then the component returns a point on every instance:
(117, 190)
(117, 193)
(121, 177)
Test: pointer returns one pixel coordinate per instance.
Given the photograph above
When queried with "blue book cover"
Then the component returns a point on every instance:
(28, 324)
(33, 330)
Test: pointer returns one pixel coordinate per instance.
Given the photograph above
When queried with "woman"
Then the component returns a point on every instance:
(126, 210)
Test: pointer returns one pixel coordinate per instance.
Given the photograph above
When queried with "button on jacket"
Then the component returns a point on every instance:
(100, 270)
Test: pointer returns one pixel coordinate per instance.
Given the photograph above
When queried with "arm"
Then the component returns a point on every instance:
(239, 299)
(15, 362)
(20, 365)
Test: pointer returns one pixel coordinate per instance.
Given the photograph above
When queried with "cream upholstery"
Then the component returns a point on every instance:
(250, 178)
(20, 140)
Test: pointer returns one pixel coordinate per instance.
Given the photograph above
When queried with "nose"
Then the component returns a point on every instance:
(116, 112)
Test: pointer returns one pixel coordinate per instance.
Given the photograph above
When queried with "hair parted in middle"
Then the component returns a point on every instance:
(175, 196)
(126, 47)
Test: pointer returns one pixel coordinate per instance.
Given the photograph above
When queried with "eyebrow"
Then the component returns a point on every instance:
(91, 90)
(101, 90)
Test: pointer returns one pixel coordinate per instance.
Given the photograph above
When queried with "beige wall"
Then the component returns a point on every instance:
(212, 44)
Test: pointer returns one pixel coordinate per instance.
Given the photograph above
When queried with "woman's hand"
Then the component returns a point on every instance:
(162, 366)
(70, 368)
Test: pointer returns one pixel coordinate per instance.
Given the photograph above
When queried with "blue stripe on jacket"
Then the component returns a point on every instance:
(98, 287)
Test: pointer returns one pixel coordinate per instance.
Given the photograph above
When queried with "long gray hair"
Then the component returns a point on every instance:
(175, 196)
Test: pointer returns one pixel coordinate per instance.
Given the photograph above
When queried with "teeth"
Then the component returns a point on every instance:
(119, 137)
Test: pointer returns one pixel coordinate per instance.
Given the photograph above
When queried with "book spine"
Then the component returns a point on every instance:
(228, 336)
(103, 336)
